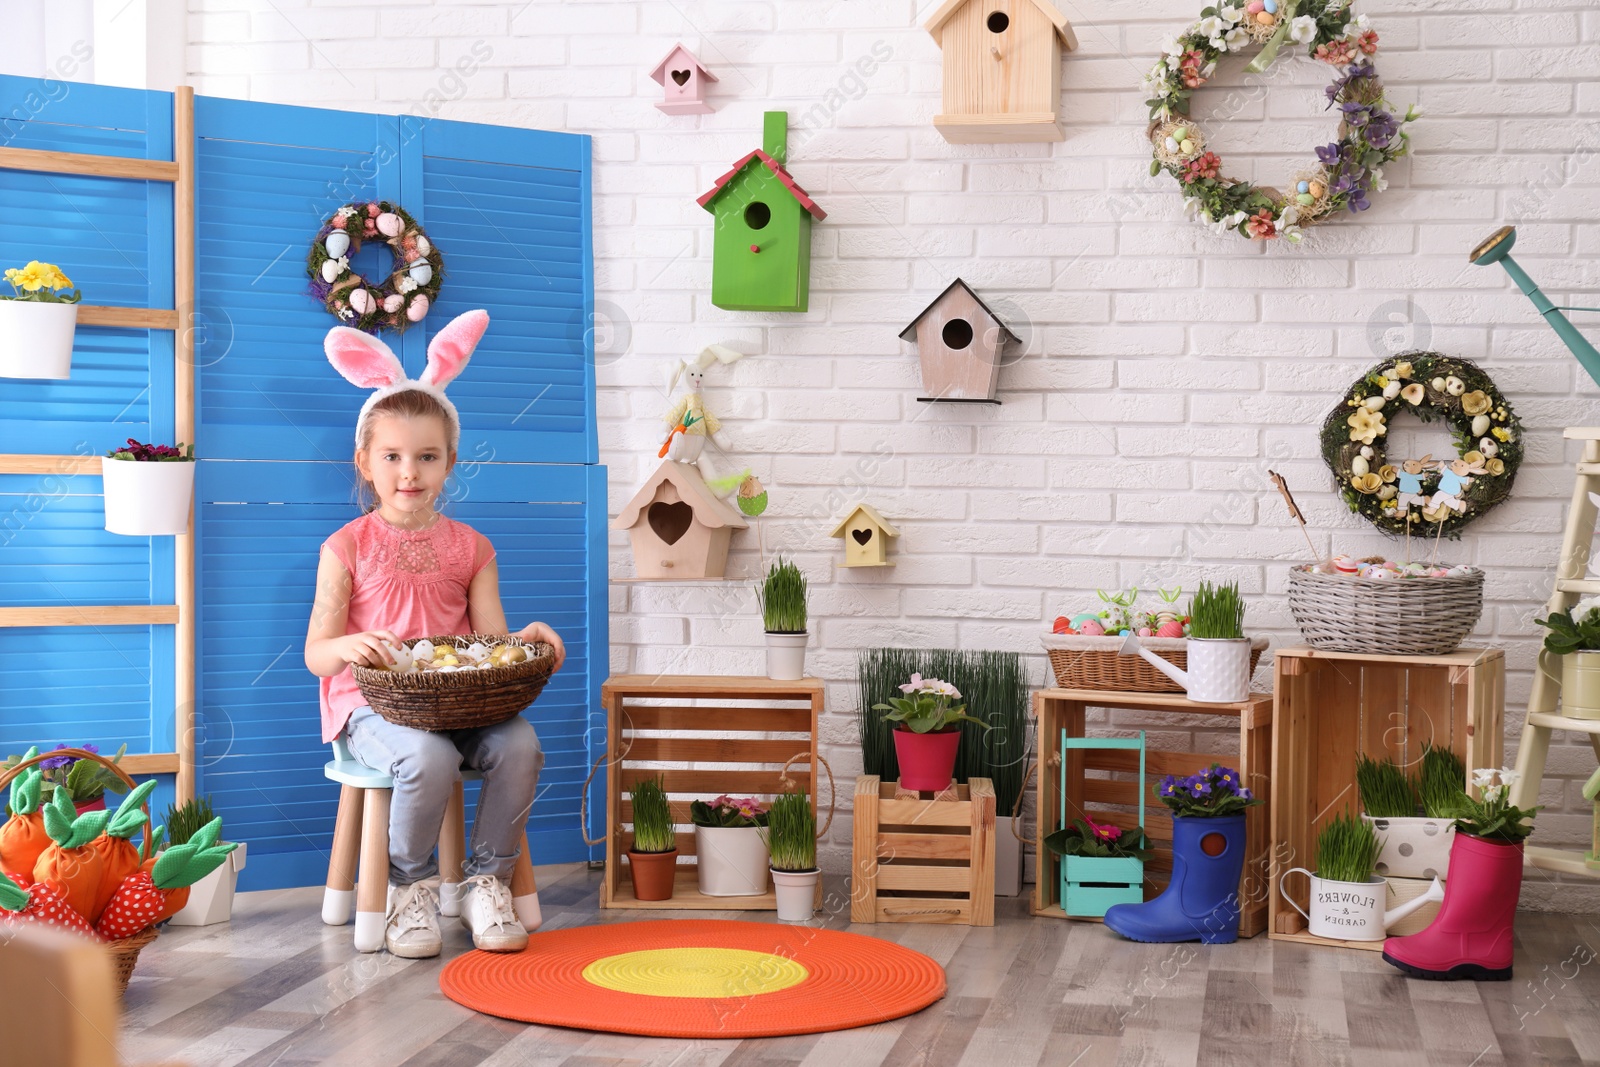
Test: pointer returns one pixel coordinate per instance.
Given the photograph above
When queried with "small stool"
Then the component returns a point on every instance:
(360, 855)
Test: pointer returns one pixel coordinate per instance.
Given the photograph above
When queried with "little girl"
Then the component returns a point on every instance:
(404, 571)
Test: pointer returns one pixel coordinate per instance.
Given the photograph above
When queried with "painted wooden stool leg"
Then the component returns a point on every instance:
(372, 886)
(339, 896)
(525, 891)
(452, 852)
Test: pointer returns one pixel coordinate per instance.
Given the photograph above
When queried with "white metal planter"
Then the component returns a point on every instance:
(797, 894)
(1356, 911)
(147, 499)
(211, 898)
(36, 339)
(786, 656)
(733, 860)
(1414, 847)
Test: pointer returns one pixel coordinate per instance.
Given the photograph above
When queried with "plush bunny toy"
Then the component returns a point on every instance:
(688, 421)
(368, 363)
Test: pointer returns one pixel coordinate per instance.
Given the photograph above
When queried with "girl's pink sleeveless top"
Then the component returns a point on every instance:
(413, 582)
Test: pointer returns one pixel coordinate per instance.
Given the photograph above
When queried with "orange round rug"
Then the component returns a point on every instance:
(697, 978)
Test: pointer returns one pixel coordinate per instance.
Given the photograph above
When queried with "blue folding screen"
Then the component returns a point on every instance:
(509, 210)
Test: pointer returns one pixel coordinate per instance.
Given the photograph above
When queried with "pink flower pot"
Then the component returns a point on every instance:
(926, 760)
(97, 804)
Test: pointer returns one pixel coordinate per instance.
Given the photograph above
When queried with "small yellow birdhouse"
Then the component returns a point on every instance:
(678, 527)
(866, 537)
(1002, 70)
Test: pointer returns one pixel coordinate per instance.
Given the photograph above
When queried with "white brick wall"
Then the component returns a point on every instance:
(1168, 368)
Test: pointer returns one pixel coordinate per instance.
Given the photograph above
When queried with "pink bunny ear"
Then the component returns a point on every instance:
(452, 346)
(364, 360)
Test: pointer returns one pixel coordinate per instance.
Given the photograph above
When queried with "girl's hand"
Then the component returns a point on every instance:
(367, 648)
(538, 631)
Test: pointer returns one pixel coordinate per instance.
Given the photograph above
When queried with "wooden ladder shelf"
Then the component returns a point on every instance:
(1542, 717)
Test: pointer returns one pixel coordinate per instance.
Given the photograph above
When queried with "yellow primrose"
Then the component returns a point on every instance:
(32, 277)
(1366, 426)
(1502, 433)
(1476, 402)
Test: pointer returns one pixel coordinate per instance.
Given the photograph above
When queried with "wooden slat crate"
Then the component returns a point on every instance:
(1332, 706)
(738, 747)
(1090, 791)
(922, 858)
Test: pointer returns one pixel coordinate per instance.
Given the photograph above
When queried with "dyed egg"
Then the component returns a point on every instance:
(1092, 628)
(1454, 386)
(1360, 465)
(393, 302)
(1060, 626)
(1186, 146)
(1480, 425)
(1171, 144)
(337, 243)
(1265, 19)
(1438, 385)
(1380, 572)
(1303, 187)
(421, 272)
(1304, 199)
(1316, 189)
(1271, 6)
(418, 308)
(1173, 628)
(402, 657)
(1255, 6)
(477, 652)
(1145, 631)
(331, 269)
(1345, 565)
(1181, 133)
(423, 651)
(389, 224)
(361, 301)
(423, 247)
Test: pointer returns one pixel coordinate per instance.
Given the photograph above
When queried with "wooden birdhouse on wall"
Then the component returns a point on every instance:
(866, 537)
(761, 254)
(678, 527)
(683, 83)
(1002, 70)
(959, 342)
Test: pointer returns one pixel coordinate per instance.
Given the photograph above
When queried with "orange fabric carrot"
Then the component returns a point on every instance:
(69, 864)
(120, 858)
(23, 836)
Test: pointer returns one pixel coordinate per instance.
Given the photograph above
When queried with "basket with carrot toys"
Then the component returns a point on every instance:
(83, 873)
(1084, 649)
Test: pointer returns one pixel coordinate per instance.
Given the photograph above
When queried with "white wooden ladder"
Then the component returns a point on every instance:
(1570, 584)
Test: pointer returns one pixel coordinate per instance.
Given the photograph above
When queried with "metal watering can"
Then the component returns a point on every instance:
(1219, 670)
(1353, 911)
(1496, 248)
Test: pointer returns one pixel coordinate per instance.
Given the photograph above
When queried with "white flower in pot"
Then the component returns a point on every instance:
(37, 322)
(148, 488)
(783, 613)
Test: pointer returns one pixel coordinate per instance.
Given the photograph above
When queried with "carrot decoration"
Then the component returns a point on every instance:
(70, 864)
(148, 894)
(688, 420)
(38, 903)
(23, 837)
(120, 857)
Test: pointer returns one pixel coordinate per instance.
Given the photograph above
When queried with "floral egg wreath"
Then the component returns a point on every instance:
(1421, 492)
(1346, 171)
(404, 297)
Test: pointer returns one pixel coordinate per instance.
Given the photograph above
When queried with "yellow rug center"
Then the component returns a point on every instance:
(695, 972)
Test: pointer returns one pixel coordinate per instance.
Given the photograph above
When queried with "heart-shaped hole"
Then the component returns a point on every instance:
(861, 536)
(680, 76)
(670, 521)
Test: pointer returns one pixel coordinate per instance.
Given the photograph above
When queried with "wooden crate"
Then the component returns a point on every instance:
(1332, 706)
(1092, 795)
(736, 746)
(921, 857)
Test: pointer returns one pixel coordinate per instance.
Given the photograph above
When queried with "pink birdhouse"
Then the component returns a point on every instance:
(683, 81)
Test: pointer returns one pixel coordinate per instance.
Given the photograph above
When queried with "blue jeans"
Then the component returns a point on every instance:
(426, 765)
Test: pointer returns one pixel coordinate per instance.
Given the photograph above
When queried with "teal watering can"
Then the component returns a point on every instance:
(1497, 249)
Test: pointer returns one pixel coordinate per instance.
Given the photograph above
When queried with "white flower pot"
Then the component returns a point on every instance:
(786, 656)
(211, 898)
(1414, 847)
(145, 499)
(1218, 670)
(36, 339)
(797, 894)
(733, 860)
(1007, 858)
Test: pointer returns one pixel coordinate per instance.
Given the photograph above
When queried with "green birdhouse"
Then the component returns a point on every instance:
(761, 255)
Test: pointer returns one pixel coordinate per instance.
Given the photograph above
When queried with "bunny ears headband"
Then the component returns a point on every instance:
(368, 363)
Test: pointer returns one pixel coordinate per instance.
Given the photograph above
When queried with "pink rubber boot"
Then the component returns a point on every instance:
(1471, 937)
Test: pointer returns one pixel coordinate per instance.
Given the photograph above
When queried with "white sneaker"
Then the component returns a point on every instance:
(412, 930)
(488, 912)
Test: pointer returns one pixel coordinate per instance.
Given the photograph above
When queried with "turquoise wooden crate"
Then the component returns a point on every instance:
(1091, 884)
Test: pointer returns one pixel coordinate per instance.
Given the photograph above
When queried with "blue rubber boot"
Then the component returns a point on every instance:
(1201, 903)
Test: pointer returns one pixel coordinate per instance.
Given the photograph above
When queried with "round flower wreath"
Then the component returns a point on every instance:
(413, 283)
(1347, 170)
(1422, 491)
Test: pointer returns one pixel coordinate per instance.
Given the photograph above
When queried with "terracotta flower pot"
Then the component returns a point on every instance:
(927, 761)
(653, 874)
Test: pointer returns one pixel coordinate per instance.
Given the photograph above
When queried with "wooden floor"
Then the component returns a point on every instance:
(276, 988)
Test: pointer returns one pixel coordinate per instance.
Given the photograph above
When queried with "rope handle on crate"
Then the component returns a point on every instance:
(833, 793)
(583, 804)
(9, 775)
(1022, 797)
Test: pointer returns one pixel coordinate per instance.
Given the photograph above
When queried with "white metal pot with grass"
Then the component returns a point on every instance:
(1218, 653)
(783, 613)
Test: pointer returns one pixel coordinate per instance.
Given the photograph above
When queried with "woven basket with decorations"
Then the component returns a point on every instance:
(1083, 662)
(458, 681)
(1409, 616)
(82, 873)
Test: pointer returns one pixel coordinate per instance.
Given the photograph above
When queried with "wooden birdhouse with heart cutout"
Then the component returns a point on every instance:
(1002, 70)
(678, 527)
(866, 537)
(683, 83)
(959, 342)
